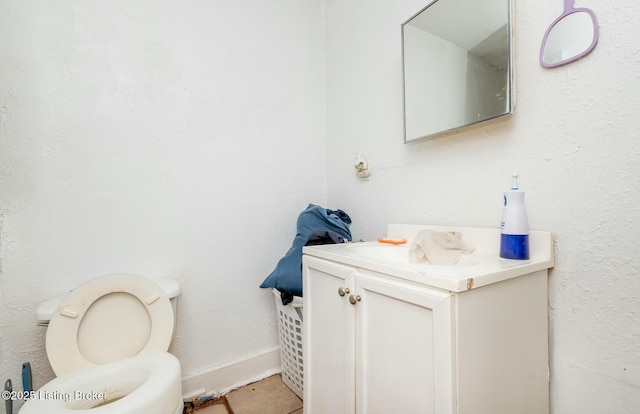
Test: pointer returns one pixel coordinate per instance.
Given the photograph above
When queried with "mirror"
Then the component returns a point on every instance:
(457, 63)
(570, 37)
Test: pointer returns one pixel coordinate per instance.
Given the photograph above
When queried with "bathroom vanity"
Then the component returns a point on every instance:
(385, 335)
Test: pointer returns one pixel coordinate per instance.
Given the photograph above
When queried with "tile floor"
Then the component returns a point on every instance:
(269, 396)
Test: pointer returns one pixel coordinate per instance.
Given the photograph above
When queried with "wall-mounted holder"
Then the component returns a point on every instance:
(363, 167)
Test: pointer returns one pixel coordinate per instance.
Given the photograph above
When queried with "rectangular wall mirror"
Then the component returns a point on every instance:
(457, 61)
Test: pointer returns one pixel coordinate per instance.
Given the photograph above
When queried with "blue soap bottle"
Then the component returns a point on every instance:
(514, 237)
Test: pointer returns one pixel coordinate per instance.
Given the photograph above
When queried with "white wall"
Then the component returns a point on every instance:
(424, 97)
(487, 87)
(175, 139)
(574, 138)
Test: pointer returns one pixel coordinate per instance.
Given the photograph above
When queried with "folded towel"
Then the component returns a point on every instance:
(438, 248)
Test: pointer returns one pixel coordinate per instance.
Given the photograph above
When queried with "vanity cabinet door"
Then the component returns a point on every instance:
(375, 345)
(404, 348)
(329, 383)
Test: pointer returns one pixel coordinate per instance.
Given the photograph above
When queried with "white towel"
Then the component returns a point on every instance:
(438, 248)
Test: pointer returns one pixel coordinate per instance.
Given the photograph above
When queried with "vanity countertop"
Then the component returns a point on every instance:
(481, 267)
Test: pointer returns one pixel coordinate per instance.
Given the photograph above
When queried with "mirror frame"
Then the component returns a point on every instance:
(510, 96)
(570, 9)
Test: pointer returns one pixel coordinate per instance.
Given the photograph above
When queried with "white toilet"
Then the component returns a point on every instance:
(107, 342)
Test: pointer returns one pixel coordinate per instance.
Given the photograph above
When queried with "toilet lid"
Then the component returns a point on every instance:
(108, 319)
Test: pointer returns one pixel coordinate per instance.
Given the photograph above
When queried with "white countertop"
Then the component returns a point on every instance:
(480, 268)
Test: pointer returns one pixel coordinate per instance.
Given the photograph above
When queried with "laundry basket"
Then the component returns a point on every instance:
(290, 330)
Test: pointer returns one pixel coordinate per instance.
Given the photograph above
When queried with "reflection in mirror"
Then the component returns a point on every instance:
(457, 65)
(570, 37)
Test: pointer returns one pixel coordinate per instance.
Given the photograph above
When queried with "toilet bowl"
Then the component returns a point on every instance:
(144, 384)
(107, 341)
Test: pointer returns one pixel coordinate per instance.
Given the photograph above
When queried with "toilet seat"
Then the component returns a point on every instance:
(108, 319)
(144, 384)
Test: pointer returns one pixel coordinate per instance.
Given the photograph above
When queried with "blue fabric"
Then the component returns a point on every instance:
(314, 223)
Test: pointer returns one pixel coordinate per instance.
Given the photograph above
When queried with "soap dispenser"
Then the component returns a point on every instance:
(514, 237)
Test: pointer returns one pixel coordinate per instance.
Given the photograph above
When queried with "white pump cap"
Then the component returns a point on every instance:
(514, 185)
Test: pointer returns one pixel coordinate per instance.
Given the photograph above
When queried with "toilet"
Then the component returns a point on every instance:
(107, 343)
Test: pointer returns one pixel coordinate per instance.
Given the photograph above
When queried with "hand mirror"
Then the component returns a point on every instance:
(570, 37)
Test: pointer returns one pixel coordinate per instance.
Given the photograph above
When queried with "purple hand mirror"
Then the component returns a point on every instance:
(570, 37)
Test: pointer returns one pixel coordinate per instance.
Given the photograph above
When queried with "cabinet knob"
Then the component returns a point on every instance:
(343, 291)
(353, 299)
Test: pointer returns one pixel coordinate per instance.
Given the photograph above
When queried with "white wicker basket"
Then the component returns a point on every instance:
(290, 329)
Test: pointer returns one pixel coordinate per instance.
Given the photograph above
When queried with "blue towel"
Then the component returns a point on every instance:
(316, 225)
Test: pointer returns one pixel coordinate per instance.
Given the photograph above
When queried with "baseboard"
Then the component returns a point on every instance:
(222, 379)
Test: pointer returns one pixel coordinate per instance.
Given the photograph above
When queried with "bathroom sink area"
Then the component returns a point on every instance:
(400, 253)
(469, 337)
(482, 266)
(395, 253)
